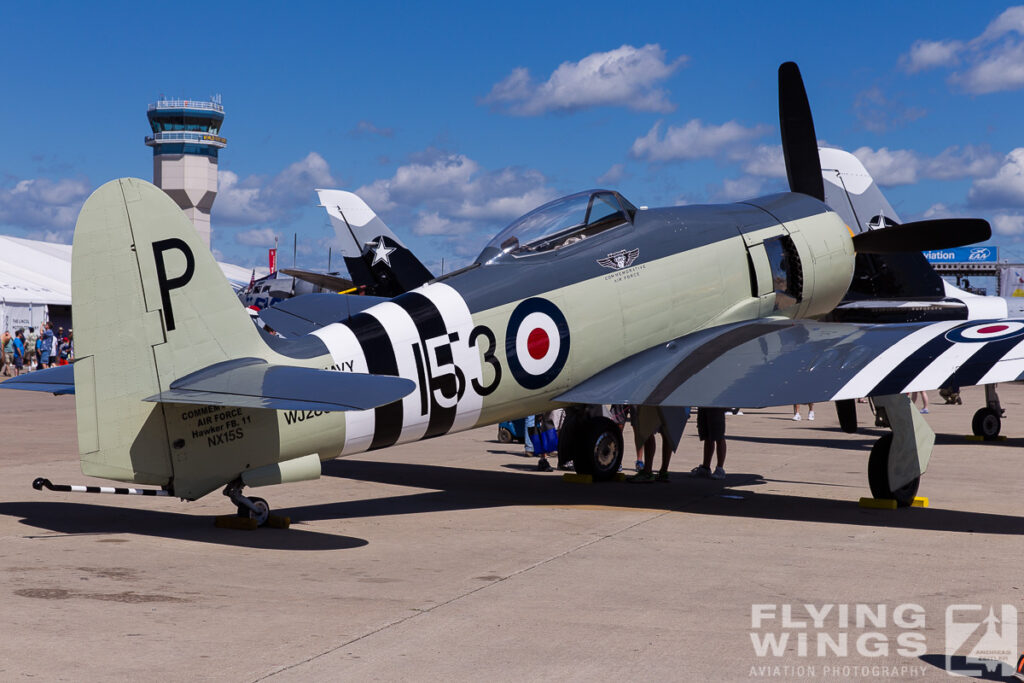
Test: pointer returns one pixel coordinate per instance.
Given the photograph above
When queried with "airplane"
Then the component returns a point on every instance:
(378, 263)
(902, 287)
(717, 307)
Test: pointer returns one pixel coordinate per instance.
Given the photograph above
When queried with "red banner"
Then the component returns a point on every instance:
(272, 254)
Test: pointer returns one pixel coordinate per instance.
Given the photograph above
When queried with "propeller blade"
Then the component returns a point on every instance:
(799, 143)
(941, 233)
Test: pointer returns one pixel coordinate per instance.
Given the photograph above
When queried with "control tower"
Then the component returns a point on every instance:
(185, 142)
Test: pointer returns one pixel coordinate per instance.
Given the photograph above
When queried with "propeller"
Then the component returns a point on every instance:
(799, 143)
(941, 233)
(803, 170)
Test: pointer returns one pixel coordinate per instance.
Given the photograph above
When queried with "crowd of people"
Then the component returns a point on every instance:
(28, 349)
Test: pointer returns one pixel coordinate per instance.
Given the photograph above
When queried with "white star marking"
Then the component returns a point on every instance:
(381, 253)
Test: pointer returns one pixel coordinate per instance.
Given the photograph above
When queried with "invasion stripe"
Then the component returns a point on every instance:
(864, 381)
(343, 346)
(457, 319)
(405, 338)
(901, 375)
(970, 373)
(1008, 368)
(380, 360)
(937, 372)
(430, 325)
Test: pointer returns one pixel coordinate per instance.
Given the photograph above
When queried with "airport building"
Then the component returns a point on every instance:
(186, 139)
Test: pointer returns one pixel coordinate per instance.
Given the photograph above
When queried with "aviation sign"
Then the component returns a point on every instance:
(963, 255)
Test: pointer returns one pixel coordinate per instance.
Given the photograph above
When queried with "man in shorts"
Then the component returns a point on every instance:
(711, 430)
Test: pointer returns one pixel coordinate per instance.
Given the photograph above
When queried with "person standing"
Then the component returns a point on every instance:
(711, 430)
(45, 345)
(18, 346)
(30, 349)
(810, 412)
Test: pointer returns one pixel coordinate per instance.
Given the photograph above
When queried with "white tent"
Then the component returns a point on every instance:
(36, 275)
(33, 276)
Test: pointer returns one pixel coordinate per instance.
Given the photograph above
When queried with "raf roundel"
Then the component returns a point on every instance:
(996, 330)
(536, 343)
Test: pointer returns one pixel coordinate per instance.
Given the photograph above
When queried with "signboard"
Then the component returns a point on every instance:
(963, 255)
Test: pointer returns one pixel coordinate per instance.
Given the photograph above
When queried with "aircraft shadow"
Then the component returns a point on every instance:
(454, 488)
(81, 518)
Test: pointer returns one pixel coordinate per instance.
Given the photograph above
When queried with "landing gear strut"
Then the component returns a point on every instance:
(253, 508)
(988, 420)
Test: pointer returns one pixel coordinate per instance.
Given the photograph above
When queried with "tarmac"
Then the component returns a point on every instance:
(453, 559)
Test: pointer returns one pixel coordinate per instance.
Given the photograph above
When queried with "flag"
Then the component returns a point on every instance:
(272, 253)
(252, 280)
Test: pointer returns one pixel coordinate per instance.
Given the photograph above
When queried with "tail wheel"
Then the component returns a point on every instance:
(261, 516)
(878, 475)
(600, 453)
(987, 423)
(504, 435)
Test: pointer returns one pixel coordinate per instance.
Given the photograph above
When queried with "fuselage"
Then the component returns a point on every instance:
(506, 336)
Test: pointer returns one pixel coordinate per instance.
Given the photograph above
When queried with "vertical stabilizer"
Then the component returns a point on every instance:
(150, 306)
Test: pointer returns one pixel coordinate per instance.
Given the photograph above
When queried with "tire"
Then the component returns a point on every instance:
(878, 475)
(504, 435)
(599, 454)
(263, 507)
(986, 423)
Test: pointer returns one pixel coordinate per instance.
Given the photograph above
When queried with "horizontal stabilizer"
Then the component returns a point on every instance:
(58, 380)
(301, 315)
(253, 383)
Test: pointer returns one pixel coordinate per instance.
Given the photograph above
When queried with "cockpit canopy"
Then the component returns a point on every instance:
(561, 223)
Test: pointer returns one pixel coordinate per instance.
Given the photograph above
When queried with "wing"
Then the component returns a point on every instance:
(253, 383)
(332, 283)
(776, 362)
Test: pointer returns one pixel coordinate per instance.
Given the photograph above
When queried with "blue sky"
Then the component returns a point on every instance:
(451, 119)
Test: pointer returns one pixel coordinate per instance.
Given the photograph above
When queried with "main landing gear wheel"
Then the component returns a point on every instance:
(570, 438)
(878, 475)
(598, 448)
(262, 513)
(986, 423)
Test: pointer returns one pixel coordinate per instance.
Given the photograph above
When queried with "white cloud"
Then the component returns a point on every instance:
(50, 207)
(257, 200)
(1000, 69)
(743, 187)
(625, 77)
(367, 129)
(939, 210)
(613, 175)
(766, 161)
(257, 237)
(695, 140)
(878, 113)
(928, 54)
(1008, 224)
(1005, 188)
(994, 60)
(448, 194)
(906, 167)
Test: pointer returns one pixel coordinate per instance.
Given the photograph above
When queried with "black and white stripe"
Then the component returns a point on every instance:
(40, 483)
